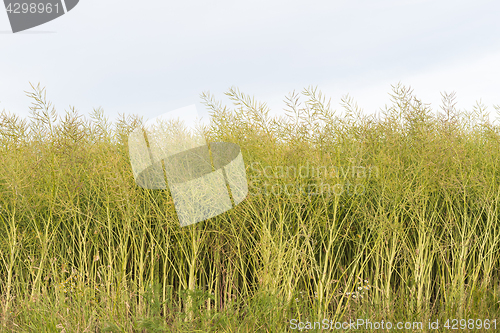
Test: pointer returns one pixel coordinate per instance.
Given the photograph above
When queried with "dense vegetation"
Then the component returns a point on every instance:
(348, 216)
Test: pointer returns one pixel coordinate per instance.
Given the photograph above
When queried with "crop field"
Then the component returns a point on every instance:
(351, 223)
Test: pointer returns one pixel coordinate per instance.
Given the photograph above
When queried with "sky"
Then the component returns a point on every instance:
(148, 58)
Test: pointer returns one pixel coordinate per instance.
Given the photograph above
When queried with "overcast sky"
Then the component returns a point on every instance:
(154, 56)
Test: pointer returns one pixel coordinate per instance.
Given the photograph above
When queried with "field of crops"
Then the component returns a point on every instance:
(392, 218)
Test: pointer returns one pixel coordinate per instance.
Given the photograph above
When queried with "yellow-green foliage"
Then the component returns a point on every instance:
(416, 237)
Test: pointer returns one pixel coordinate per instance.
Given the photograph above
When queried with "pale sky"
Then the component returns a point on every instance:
(154, 56)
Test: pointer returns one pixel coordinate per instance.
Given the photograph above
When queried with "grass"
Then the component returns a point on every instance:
(349, 217)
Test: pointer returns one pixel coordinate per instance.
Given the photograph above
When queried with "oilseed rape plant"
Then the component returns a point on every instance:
(346, 216)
